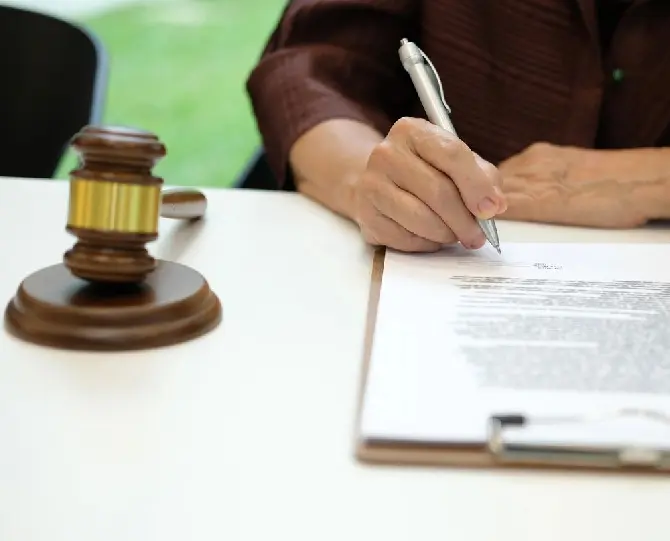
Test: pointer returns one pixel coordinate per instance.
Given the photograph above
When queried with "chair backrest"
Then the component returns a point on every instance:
(257, 175)
(53, 77)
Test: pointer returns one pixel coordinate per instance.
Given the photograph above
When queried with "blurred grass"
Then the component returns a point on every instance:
(178, 69)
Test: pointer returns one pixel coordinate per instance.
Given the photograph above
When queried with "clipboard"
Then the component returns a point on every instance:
(498, 451)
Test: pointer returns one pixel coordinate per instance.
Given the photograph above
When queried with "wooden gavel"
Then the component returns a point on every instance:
(116, 202)
(109, 294)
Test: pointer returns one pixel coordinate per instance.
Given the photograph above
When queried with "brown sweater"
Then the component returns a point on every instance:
(514, 71)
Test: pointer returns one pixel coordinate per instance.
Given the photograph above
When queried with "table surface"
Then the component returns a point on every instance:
(247, 433)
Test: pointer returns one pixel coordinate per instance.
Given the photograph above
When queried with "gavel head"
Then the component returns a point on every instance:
(114, 204)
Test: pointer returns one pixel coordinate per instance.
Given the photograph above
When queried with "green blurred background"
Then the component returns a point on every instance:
(178, 68)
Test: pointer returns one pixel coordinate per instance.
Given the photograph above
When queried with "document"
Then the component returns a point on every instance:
(543, 329)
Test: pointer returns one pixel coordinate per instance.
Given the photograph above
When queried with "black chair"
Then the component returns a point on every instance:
(256, 174)
(53, 78)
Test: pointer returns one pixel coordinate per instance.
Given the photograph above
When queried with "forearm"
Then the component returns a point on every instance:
(328, 159)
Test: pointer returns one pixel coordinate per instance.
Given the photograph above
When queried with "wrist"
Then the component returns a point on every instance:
(337, 193)
(328, 161)
(644, 178)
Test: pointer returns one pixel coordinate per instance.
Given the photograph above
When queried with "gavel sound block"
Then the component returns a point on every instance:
(109, 293)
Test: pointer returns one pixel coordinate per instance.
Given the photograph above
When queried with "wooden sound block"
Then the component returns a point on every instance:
(54, 308)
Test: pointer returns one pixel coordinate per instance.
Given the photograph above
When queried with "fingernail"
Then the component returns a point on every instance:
(487, 209)
(476, 243)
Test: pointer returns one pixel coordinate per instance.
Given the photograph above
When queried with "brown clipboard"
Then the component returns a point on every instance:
(476, 456)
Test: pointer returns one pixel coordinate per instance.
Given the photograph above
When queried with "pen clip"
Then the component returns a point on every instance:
(436, 79)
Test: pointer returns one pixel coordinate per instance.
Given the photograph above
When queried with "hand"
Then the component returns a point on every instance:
(573, 186)
(422, 187)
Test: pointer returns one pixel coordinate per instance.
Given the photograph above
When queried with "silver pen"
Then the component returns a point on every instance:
(429, 88)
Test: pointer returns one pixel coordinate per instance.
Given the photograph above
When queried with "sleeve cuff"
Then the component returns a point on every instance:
(288, 103)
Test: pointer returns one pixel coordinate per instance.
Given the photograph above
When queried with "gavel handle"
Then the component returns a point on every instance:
(183, 204)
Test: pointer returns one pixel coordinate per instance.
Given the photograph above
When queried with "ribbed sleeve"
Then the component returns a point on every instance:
(330, 59)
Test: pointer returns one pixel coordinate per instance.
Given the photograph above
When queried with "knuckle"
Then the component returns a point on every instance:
(404, 125)
(538, 148)
(493, 174)
(381, 155)
(452, 147)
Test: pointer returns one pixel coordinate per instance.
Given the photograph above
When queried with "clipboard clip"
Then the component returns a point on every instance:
(585, 455)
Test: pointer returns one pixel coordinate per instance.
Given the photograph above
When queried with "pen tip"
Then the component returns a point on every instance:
(498, 249)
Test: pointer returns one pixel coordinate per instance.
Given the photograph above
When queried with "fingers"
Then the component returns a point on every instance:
(413, 176)
(409, 210)
(544, 203)
(423, 188)
(477, 182)
(393, 217)
(380, 230)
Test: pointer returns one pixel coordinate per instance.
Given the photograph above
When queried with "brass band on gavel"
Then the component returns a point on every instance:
(114, 206)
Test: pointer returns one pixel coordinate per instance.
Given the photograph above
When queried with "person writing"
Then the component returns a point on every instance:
(562, 108)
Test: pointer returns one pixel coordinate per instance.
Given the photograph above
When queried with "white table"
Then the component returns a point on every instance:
(246, 434)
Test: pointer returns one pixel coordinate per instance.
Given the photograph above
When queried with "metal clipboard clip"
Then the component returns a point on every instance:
(586, 455)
